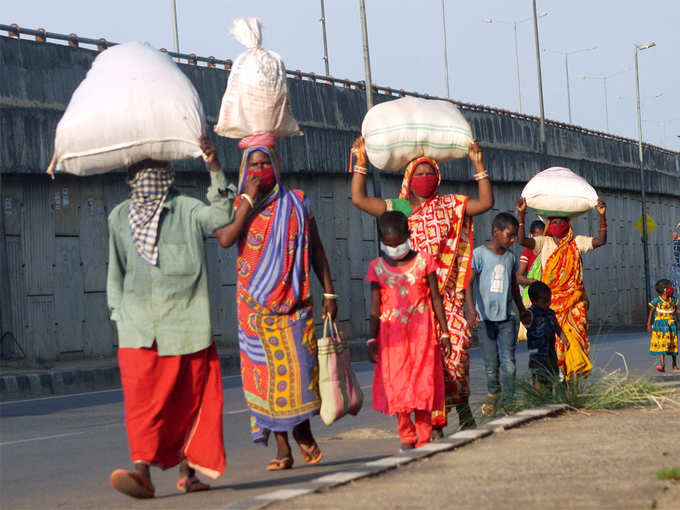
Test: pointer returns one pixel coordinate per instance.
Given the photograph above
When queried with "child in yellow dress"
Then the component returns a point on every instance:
(664, 328)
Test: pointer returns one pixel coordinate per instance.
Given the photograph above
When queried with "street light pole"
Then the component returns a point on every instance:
(369, 83)
(519, 88)
(174, 27)
(604, 84)
(645, 248)
(325, 43)
(446, 56)
(540, 82)
(566, 70)
(514, 28)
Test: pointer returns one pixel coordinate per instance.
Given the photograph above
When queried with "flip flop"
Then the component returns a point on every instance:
(661, 368)
(311, 454)
(132, 483)
(280, 464)
(437, 434)
(191, 484)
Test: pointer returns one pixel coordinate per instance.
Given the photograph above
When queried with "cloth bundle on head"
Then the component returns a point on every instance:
(256, 99)
(258, 139)
(150, 188)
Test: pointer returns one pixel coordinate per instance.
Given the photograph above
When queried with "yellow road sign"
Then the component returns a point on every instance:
(651, 224)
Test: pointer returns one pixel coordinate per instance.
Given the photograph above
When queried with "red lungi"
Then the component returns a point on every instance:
(173, 408)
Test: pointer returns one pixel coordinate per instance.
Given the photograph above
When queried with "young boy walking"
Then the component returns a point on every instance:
(542, 331)
(494, 268)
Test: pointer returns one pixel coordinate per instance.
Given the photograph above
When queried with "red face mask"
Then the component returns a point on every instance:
(670, 292)
(558, 230)
(267, 177)
(424, 185)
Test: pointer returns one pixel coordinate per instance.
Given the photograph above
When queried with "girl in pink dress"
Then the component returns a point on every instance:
(403, 334)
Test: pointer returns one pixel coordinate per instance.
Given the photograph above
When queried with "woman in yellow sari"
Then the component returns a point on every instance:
(560, 253)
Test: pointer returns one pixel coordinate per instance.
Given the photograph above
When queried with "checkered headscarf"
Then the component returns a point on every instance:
(150, 188)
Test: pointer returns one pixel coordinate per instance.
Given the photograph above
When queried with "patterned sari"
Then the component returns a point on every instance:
(563, 273)
(274, 309)
(439, 227)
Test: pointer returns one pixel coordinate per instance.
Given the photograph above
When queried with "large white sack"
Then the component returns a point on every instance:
(399, 131)
(134, 104)
(256, 99)
(558, 191)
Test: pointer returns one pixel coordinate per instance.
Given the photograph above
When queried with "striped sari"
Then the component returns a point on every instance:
(274, 308)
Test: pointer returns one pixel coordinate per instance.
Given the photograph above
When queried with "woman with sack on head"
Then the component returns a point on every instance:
(559, 251)
(440, 225)
(277, 240)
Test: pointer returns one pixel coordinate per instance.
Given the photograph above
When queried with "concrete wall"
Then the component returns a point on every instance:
(54, 233)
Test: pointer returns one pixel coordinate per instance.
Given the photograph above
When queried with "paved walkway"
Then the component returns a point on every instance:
(593, 460)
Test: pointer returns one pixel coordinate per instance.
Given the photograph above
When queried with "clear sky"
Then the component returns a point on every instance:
(407, 51)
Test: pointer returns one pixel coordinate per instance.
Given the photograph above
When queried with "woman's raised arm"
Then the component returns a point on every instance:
(372, 205)
(476, 206)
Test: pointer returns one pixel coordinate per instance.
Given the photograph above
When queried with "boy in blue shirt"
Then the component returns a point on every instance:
(494, 267)
(541, 334)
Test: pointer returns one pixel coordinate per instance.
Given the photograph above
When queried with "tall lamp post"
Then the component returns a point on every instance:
(325, 42)
(446, 53)
(544, 146)
(514, 27)
(175, 36)
(604, 83)
(645, 248)
(566, 69)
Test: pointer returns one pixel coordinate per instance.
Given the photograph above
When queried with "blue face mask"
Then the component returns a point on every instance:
(396, 252)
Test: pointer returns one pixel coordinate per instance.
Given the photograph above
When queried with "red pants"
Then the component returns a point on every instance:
(419, 433)
(173, 408)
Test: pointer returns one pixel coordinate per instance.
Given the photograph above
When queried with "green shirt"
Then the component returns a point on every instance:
(169, 302)
(398, 204)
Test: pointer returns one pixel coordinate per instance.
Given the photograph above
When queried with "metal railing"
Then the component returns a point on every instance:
(14, 31)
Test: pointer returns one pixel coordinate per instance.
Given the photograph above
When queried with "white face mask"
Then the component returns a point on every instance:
(396, 252)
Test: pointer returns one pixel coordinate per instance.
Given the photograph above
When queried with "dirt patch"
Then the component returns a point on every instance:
(598, 460)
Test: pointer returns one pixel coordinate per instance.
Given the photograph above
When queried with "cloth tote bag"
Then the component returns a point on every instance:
(338, 386)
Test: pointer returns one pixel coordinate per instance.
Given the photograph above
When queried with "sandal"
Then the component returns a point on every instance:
(661, 368)
(191, 484)
(311, 454)
(404, 447)
(280, 464)
(675, 369)
(437, 434)
(489, 407)
(132, 483)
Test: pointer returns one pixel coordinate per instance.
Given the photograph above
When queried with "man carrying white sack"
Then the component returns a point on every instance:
(157, 291)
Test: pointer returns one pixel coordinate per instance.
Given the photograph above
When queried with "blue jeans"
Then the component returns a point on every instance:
(498, 340)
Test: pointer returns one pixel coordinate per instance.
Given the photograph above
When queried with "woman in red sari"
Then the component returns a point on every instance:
(441, 225)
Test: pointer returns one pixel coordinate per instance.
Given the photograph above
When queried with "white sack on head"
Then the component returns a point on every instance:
(558, 191)
(134, 104)
(256, 99)
(399, 131)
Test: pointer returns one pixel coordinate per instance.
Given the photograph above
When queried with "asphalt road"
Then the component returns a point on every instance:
(58, 452)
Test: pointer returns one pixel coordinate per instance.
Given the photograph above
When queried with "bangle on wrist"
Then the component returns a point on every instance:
(481, 175)
(248, 199)
(328, 295)
(358, 169)
(445, 335)
(371, 341)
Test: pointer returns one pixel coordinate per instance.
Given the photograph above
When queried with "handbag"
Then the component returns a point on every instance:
(338, 385)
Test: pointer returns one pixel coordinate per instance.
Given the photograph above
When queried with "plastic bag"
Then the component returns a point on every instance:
(558, 191)
(134, 104)
(256, 99)
(399, 131)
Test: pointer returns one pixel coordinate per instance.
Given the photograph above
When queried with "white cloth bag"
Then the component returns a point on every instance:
(558, 191)
(135, 103)
(256, 99)
(397, 132)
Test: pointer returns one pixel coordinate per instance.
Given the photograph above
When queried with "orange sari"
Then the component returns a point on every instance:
(440, 228)
(563, 273)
